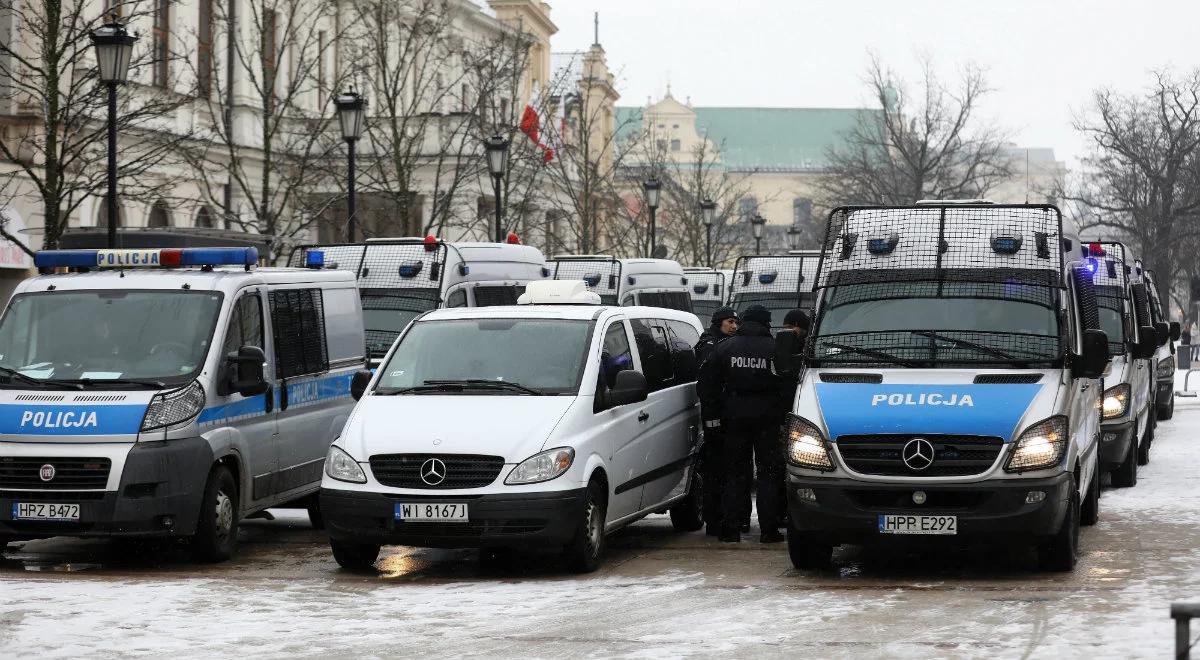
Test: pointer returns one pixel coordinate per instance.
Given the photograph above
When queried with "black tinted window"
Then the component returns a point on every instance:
(679, 300)
(299, 324)
(683, 355)
(245, 326)
(616, 356)
(654, 345)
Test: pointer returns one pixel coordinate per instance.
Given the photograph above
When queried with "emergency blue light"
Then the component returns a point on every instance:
(409, 269)
(1002, 244)
(146, 258)
(631, 279)
(314, 259)
(545, 272)
(463, 269)
(1091, 266)
(700, 288)
(591, 279)
(768, 277)
(883, 245)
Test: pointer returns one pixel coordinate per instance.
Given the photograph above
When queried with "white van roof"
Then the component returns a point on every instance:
(218, 279)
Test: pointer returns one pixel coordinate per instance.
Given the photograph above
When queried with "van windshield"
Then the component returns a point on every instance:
(94, 336)
(1109, 303)
(779, 304)
(386, 312)
(488, 357)
(915, 323)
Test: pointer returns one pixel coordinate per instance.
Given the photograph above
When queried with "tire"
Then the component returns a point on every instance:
(1144, 445)
(220, 513)
(1089, 513)
(314, 512)
(1061, 552)
(688, 514)
(1125, 476)
(1168, 411)
(585, 550)
(806, 553)
(354, 556)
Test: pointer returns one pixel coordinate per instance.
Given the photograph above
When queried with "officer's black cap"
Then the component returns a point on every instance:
(796, 317)
(723, 313)
(757, 314)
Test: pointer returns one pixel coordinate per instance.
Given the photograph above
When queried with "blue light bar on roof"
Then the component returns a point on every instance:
(146, 258)
(314, 259)
(883, 245)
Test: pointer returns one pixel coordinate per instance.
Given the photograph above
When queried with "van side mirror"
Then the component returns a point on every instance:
(1094, 358)
(246, 372)
(630, 387)
(1162, 332)
(1174, 330)
(1146, 344)
(358, 384)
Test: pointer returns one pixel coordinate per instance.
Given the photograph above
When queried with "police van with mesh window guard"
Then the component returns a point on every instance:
(952, 383)
(628, 282)
(710, 290)
(1164, 357)
(780, 283)
(400, 278)
(545, 425)
(169, 392)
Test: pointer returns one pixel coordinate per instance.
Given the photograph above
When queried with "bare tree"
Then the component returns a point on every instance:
(56, 134)
(930, 146)
(1141, 180)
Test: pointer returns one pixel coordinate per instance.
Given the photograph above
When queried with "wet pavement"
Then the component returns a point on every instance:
(658, 594)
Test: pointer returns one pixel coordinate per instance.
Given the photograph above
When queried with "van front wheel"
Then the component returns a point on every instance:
(583, 554)
(217, 527)
(1061, 551)
(688, 514)
(354, 556)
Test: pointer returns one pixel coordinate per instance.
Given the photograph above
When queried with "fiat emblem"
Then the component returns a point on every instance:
(47, 472)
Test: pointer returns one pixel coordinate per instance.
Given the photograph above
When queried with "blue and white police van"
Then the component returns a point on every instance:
(780, 283)
(169, 392)
(952, 383)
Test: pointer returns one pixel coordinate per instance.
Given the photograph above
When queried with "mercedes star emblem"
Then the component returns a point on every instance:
(47, 472)
(917, 454)
(433, 471)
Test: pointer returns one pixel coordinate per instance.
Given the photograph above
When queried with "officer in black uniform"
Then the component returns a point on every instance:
(741, 375)
(724, 325)
(789, 363)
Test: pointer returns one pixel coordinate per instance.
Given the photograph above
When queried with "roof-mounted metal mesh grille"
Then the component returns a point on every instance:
(602, 276)
(391, 264)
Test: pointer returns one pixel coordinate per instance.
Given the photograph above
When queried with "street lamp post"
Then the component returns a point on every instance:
(756, 226)
(652, 188)
(793, 237)
(114, 49)
(708, 210)
(351, 107)
(497, 159)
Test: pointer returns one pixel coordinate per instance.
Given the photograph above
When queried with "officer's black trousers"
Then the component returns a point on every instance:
(714, 468)
(752, 439)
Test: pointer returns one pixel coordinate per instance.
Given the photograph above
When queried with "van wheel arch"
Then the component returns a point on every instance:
(233, 462)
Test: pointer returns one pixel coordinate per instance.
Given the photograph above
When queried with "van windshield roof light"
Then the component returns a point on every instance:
(767, 277)
(1006, 243)
(147, 258)
(883, 244)
(558, 292)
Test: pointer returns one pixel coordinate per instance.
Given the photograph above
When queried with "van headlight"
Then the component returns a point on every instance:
(550, 464)
(806, 447)
(1116, 401)
(1165, 368)
(1041, 446)
(342, 466)
(174, 407)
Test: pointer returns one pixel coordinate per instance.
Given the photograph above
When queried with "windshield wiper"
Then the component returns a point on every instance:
(158, 385)
(969, 344)
(487, 384)
(886, 357)
(13, 374)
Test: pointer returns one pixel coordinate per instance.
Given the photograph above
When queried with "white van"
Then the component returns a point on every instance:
(1127, 414)
(544, 425)
(1167, 333)
(399, 278)
(710, 290)
(169, 392)
(626, 282)
(780, 283)
(952, 383)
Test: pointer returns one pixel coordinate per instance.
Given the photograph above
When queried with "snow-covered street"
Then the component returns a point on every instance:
(658, 594)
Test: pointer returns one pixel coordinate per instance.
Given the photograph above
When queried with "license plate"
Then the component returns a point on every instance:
(431, 512)
(45, 511)
(941, 525)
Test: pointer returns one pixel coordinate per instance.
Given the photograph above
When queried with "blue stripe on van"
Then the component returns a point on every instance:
(301, 393)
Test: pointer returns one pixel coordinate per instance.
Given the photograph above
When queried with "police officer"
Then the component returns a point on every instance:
(740, 374)
(724, 325)
(789, 363)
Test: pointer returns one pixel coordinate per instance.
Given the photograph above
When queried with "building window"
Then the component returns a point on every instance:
(322, 44)
(162, 42)
(102, 213)
(160, 216)
(747, 207)
(675, 145)
(204, 217)
(801, 211)
(661, 144)
(204, 49)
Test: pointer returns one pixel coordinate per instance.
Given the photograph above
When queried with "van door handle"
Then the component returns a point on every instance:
(1084, 387)
(643, 416)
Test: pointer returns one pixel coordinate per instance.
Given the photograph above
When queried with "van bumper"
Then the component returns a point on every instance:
(523, 520)
(847, 510)
(1115, 440)
(161, 486)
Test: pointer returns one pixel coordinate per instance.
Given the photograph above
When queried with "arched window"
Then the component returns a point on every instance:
(160, 216)
(204, 217)
(102, 213)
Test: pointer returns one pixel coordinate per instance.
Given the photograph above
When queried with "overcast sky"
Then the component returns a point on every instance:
(1044, 57)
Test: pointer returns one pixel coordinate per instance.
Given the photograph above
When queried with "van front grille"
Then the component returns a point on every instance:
(953, 455)
(456, 470)
(25, 472)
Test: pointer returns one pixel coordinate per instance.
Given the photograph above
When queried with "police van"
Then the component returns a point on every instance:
(710, 290)
(780, 283)
(399, 278)
(586, 421)
(952, 383)
(627, 282)
(1127, 413)
(1167, 333)
(169, 392)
